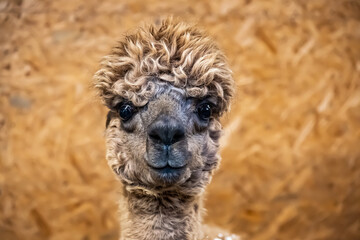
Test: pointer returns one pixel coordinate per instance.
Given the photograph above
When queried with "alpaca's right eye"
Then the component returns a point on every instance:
(126, 111)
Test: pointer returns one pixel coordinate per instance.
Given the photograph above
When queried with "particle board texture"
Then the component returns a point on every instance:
(290, 149)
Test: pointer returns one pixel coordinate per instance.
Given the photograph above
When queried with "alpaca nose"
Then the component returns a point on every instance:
(166, 130)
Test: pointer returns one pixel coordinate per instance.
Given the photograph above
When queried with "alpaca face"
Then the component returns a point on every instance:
(171, 142)
(166, 87)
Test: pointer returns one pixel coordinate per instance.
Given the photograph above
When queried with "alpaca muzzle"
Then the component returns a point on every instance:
(167, 152)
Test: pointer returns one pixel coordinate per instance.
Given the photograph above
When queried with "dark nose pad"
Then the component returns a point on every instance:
(166, 130)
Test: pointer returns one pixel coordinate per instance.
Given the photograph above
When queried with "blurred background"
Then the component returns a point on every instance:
(291, 145)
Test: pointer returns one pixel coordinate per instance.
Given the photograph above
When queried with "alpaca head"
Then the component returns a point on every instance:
(166, 87)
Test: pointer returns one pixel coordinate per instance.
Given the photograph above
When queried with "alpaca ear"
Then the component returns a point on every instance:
(113, 67)
(103, 81)
(109, 116)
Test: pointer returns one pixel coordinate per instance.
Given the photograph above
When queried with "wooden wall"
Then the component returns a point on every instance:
(291, 144)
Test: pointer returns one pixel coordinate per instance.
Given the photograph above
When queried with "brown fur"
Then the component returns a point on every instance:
(174, 52)
(163, 70)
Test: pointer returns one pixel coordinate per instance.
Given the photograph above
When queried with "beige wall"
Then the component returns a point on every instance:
(291, 155)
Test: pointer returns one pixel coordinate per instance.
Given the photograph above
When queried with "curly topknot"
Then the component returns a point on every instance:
(173, 52)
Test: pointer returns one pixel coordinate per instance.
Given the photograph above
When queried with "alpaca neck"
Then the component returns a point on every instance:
(167, 216)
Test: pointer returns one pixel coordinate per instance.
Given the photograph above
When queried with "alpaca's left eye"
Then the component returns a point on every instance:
(126, 111)
(204, 111)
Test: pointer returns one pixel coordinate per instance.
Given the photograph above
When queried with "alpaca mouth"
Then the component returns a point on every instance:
(168, 174)
(167, 169)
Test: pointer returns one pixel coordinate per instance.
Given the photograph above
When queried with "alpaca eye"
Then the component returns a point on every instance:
(126, 111)
(204, 111)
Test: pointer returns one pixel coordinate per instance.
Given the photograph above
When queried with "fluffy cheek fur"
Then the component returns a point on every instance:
(205, 158)
(128, 163)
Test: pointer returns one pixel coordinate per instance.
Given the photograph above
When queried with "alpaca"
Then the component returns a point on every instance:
(166, 87)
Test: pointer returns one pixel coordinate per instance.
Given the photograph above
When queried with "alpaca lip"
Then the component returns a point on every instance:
(168, 174)
(167, 169)
(167, 161)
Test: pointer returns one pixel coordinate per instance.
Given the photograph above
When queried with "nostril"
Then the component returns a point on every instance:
(179, 135)
(155, 136)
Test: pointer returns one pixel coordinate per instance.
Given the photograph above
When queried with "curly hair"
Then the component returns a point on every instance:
(173, 52)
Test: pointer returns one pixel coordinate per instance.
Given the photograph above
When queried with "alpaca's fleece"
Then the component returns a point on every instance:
(167, 73)
(174, 52)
